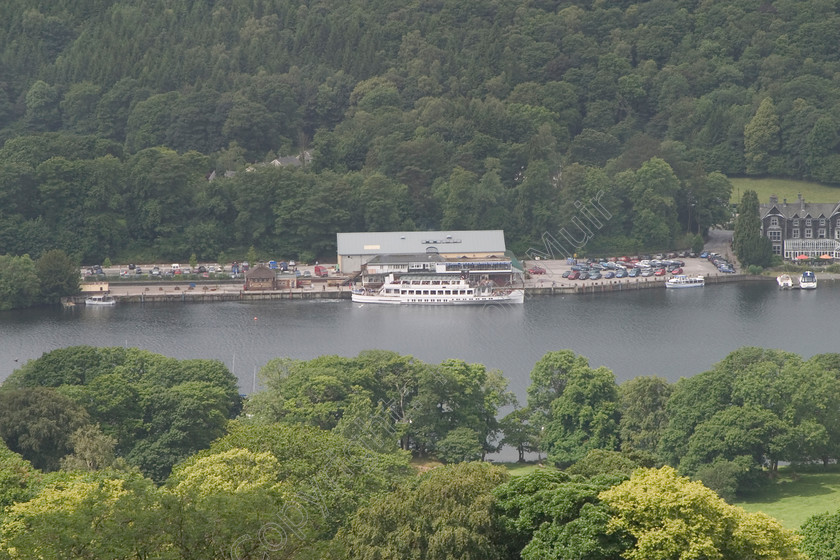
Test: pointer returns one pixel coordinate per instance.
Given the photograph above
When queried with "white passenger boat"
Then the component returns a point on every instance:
(683, 281)
(785, 281)
(438, 289)
(100, 300)
(808, 281)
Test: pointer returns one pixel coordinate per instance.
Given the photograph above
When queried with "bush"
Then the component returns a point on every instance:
(459, 445)
(754, 269)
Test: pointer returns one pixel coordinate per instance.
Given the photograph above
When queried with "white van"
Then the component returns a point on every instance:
(176, 267)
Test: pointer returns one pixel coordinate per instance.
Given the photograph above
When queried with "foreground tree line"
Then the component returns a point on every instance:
(316, 465)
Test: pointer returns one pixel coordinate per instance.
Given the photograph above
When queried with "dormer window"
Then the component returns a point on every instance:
(822, 221)
(774, 222)
(808, 222)
(796, 222)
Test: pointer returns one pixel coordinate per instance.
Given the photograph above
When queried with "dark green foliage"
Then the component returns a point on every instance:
(751, 247)
(450, 129)
(159, 410)
(821, 536)
(550, 514)
(416, 404)
(38, 423)
(445, 513)
(58, 275)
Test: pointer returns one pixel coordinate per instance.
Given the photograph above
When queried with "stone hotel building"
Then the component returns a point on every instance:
(801, 228)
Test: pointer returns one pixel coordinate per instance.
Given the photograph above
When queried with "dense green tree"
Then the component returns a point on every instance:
(642, 404)
(761, 138)
(751, 247)
(85, 515)
(58, 275)
(445, 513)
(550, 514)
(821, 536)
(19, 283)
(39, 423)
(584, 417)
(671, 517)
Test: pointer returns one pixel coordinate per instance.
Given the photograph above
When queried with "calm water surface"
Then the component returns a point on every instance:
(653, 332)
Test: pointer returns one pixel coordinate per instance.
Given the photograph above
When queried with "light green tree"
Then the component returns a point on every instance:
(672, 517)
(761, 137)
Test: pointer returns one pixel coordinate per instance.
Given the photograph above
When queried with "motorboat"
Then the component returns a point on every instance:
(808, 281)
(785, 281)
(683, 281)
(100, 300)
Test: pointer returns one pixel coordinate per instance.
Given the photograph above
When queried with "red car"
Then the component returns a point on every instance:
(574, 275)
(536, 270)
(677, 271)
(659, 272)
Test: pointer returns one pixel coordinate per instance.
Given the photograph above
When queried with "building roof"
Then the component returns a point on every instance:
(406, 242)
(406, 259)
(798, 208)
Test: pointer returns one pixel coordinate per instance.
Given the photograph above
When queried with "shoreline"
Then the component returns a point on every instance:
(213, 292)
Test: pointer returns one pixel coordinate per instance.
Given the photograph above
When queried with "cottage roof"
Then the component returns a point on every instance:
(260, 272)
(408, 242)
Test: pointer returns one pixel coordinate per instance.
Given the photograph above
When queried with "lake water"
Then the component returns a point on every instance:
(650, 332)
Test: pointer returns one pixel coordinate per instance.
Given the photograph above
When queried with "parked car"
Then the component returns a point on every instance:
(659, 272)
(566, 274)
(677, 271)
(647, 272)
(704, 255)
(156, 271)
(202, 269)
(622, 273)
(634, 272)
(536, 270)
(584, 276)
(574, 275)
(321, 271)
(595, 275)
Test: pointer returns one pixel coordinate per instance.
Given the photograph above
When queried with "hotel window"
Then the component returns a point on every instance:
(796, 234)
(821, 233)
(775, 235)
(774, 222)
(837, 233)
(808, 233)
(796, 223)
(822, 221)
(777, 249)
(808, 222)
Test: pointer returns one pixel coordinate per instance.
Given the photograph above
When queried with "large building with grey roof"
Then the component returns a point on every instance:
(799, 228)
(358, 248)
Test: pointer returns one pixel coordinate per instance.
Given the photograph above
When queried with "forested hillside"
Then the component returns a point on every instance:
(417, 114)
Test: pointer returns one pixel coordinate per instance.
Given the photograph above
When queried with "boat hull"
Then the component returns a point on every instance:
(679, 282)
(515, 297)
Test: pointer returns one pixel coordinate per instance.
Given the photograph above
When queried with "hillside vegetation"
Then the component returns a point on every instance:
(417, 114)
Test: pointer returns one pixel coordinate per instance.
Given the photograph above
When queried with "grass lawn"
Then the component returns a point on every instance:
(518, 469)
(792, 500)
(784, 188)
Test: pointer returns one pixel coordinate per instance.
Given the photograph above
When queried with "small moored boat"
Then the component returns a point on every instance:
(683, 281)
(785, 281)
(100, 300)
(808, 281)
